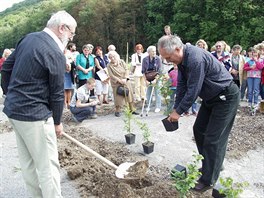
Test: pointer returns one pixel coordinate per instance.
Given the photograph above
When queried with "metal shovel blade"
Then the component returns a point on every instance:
(127, 170)
(122, 170)
(132, 170)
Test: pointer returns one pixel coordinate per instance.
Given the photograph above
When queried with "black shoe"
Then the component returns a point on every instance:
(221, 169)
(135, 113)
(201, 187)
(117, 114)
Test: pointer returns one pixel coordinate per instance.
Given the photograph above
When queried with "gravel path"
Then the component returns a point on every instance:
(11, 182)
(171, 148)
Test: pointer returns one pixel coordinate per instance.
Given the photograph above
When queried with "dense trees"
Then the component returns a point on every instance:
(132, 21)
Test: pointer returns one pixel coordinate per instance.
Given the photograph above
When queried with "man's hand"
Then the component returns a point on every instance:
(174, 116)
(59, 129)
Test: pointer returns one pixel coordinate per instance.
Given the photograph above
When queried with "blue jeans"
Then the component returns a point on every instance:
(157, 94)
(82, 113)
(253, 90)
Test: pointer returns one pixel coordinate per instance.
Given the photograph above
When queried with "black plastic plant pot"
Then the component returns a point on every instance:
(179, 168)
(130, 138)
(148, 147)
(217, 194)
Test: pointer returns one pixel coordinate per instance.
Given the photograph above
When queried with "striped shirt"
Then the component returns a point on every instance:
(36, 88)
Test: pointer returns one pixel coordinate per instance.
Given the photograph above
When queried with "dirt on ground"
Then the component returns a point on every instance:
(95, 179)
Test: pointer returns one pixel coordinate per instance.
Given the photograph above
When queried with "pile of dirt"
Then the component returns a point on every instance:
(96, 179)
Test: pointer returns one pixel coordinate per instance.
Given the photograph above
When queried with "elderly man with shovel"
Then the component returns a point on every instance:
(200, 74)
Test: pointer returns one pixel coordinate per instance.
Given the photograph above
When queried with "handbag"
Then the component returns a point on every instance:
(122, 90)
(151, 75)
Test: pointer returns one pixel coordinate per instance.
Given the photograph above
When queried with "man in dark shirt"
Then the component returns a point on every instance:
(34, 80)
(200, 74)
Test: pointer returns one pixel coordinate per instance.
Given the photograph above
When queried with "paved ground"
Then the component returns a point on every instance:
(11, 181)
(171, 148)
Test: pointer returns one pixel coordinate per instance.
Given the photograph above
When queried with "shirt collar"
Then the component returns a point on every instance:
(55, 38)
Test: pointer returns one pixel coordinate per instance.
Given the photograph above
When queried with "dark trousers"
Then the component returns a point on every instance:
(82, 113)
(211, 130)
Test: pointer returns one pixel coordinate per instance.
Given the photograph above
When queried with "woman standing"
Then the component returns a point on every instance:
(85, 64)
(136, 63)
(119, 76)
(101, 86)
(152, 62)
(68, 80)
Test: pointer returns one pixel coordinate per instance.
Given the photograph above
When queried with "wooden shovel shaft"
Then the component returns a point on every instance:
(98, 156)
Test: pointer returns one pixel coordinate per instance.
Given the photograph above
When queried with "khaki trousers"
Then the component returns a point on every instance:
(38, 156)
(140, 88)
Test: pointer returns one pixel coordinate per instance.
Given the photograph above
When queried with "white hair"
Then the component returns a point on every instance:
(151, 48)
(60, 18)
(111, 48)
(6, 53)
(114, 54)
(169, 43)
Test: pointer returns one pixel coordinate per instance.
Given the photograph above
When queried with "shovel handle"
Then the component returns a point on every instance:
(98, 156)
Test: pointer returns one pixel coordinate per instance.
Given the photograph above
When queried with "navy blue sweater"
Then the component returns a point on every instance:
(199, 74)
(36, 89)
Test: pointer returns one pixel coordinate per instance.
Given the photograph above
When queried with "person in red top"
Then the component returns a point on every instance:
(6, 53)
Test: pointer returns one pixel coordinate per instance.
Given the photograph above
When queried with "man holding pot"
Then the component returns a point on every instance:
(200, 74)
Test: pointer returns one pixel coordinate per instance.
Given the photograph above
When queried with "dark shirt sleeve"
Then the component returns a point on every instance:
(188, 90)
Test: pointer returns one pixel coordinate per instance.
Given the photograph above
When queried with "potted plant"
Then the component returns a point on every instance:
(130, 137)
(148, 146)
(184, 180)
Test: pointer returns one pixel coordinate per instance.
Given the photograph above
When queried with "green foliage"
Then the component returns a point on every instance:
(128, 119)
(145, 129)
(184, 182)
(231, 189)
(166, 92)
(122, 22)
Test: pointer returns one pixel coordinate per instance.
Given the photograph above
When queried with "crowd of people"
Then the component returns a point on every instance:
(36, 97)
(245, 69)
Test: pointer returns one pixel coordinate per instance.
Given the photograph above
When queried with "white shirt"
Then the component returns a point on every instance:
(82, 93)
(55, 38)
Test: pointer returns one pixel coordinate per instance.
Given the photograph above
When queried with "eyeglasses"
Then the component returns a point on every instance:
(72, 33)
(218, 46)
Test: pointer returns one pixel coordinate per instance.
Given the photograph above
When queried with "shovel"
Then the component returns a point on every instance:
(126, 170)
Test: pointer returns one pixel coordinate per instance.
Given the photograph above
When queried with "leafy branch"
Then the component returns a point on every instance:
(183, 181)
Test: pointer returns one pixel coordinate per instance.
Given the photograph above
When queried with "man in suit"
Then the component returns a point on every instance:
(34, 80)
